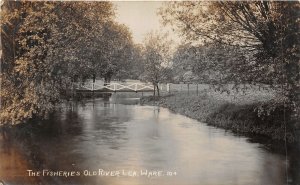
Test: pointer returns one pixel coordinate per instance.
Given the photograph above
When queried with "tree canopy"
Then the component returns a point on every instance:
(47, 45)
(263, 35)
(157, 57)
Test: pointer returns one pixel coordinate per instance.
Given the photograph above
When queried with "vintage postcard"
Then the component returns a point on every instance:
(149, 93)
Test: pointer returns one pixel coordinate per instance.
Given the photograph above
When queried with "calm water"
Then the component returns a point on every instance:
(128, 139)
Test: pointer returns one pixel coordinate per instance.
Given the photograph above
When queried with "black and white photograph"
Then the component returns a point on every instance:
(149, 92)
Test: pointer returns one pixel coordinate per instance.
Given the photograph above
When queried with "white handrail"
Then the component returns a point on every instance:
(116, 87)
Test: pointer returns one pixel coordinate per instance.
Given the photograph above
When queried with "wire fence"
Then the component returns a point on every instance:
(250, 95)
(182, 88)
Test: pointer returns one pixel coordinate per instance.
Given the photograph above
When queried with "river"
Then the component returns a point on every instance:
(105, 143)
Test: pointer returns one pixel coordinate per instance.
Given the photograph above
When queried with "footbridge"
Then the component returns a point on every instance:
(113, 87)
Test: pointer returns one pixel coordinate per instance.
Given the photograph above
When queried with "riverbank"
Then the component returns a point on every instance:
(241, 118)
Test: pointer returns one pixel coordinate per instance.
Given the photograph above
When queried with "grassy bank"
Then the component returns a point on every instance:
(237, 115)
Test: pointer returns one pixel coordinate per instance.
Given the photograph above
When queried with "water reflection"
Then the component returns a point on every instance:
(103, 135)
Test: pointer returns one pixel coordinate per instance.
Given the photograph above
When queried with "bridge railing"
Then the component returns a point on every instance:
(114, 87)
(139, 87)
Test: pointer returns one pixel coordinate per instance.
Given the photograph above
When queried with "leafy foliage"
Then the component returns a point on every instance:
(252, 42)
(157, 55)
(47, 45)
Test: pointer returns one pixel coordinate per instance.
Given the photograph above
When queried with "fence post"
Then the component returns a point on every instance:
(168, 87)
(188, 86)
(72, 90)
(93, 91)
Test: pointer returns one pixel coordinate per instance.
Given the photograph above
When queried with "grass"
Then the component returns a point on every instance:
(236, 112)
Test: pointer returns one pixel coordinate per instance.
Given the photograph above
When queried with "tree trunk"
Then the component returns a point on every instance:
(107, 80)
(157, 90)
(94, 78)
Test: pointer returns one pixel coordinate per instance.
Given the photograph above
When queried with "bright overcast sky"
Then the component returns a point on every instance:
(139, 16)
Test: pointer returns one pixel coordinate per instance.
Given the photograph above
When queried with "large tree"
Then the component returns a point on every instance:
(135, 69)
(22, 86)
(111, 52)
(157, 56)
(267, 33)
(184, 60)
(46, 46)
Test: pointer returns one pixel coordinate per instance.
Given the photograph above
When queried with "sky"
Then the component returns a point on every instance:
(140, 17)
